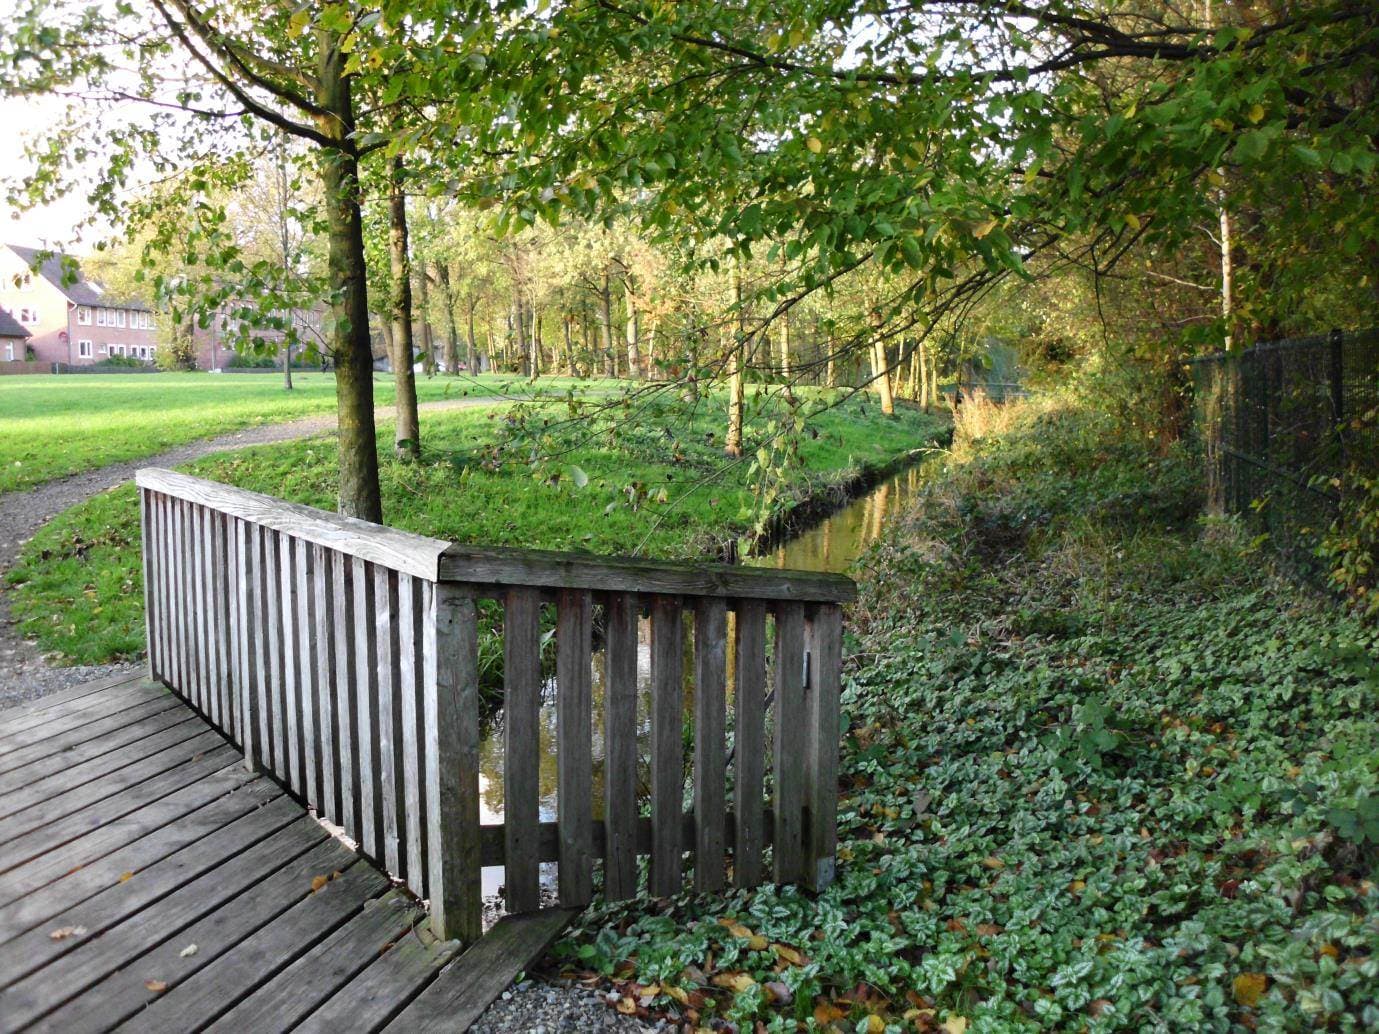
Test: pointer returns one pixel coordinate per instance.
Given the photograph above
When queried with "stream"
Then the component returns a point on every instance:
(833, 545)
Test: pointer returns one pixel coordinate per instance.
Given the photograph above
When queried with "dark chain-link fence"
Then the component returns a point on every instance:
(1282, 424)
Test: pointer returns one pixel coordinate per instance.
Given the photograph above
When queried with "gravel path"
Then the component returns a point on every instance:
(24, 674)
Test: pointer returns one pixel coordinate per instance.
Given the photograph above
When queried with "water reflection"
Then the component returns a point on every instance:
(832, 545)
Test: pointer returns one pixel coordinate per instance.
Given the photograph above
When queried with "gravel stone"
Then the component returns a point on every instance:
(532, 1007)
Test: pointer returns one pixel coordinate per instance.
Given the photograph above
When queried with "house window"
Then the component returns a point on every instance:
(84, 315)
(28, 315)
(9, 353)
(100, 317)
(84, 349)
(119, 317)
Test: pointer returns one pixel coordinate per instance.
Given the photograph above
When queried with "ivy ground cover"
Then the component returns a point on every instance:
(1102, 771)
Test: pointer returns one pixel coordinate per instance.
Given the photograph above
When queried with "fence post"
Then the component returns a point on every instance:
(450, 698)
(823, 688)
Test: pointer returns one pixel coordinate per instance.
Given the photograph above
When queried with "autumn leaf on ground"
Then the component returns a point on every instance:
(63, 932)
(826, 1012)
(125, 877)
(1249, 988)
(737, 982)
(788, 954)
(156, 986)
(955, 1025)
(627, 1006)
(188, 951)
(317, 882)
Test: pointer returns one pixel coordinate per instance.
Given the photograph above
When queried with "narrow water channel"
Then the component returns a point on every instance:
(831, 545)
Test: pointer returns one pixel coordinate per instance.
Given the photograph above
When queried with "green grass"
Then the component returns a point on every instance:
(647, 477)
(1103, 771)
(54, 426)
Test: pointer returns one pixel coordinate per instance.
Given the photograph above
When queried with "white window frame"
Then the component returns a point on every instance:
(84, 349)
(9, 351)
(100, 317)
(84, 315)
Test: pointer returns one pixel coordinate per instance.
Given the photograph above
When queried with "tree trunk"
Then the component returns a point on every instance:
(519, 329)
(351, 348)
(535, 344)
(651, 349)
(470, 342)
(785, 346)
(923, 356)
(882, 376)
(732, 444)
(407, 426)
(570, 367)
(605, 315)
(634, 355)
(452, 337)
(428, 341)
(831, 368)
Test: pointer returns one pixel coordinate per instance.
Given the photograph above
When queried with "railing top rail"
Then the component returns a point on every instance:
(437, 560)
(551, 570)
(416, 555)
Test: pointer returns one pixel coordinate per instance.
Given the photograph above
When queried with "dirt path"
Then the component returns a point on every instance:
(24, 675)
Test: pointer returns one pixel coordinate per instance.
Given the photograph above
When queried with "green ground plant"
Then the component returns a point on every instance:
(1102, 770)
(615, 476)
(54, 426)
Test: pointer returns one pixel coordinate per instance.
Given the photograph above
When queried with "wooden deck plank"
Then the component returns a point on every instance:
(95, 733)
(76, 886)
(466, 987)
(377, 994)
(57, 805)
(296, 990)
(70, 759)
(120, 698)
(217, 988)
(53, 703)
(122, 994)
(103, 814)
(232, 854)
(123, 831)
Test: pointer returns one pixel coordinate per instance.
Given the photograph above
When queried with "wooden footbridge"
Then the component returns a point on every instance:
(279, 828)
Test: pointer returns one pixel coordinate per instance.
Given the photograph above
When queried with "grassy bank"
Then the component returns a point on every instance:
(1103, 771)
(53, 426)
(647, 477)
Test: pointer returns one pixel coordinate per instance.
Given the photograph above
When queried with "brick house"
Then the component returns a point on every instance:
(13, 339)
(76, 322)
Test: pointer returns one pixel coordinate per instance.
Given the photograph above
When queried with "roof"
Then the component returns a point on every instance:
(11, 327)
(54, 269)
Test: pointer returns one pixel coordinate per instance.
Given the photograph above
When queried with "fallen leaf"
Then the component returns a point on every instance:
(63, 932)
(788, 954)
(736, 982)
(679, 994)
(875, 1024)
(317, 882)
(1249, 988)
(826, 1012)
(627, 1006)
(955, 1025)
(156, 986)
(992, 862)
(125, 877)
(188, 951)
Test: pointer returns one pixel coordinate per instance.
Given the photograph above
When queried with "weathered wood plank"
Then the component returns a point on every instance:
(620, 747)
(492, 851)
(272, 629)
(823, 691)
(346, 705)
(181, 636)
(90, 736)
(121, 994)
(98, 840)
(521, 758)
(530, 567)
(58, 700)
(84, 709)
(790, 742)
(710, 758)
(389, 983)
(297, 989)
(574, 746)
(389, 719)
(168, 617)
(41, 903)
(451, 708)
(398, 550)
(215, 989)
(469, 985)
(370, 833)
(230, 852)
(108, 769)
(122, 698)
(72, 764)
(308, 677)
(412, 785)
(196, 556)
(325, 632)
(257, 624)
(749, 740)
(146, 537)
(667, 744)
(292, 633)
(104, 814)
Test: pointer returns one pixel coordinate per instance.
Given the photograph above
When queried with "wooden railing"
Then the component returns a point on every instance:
(342, 658)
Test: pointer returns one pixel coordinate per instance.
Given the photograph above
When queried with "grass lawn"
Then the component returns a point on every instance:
(52, 426)
(1103, 771)
(647, 477)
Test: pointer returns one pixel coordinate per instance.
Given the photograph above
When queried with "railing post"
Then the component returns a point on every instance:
(450, 697)
(822, 691)
(150, 590)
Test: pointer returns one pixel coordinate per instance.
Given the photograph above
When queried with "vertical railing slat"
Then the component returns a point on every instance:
(256, 650)
(620, 747)
(710, 764)
(451, 708)
(308, 678)
(790, 741)
(749, 741)
(574, 746)
(370, 834)
(824, 689)
(667, 744)
(346, 702)
(273, 634)
(389, 718)
(147, 530)
(410, 611)
(180, 673)
(325, 629)
(196, 555)
(521, 754)
(291, 688)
